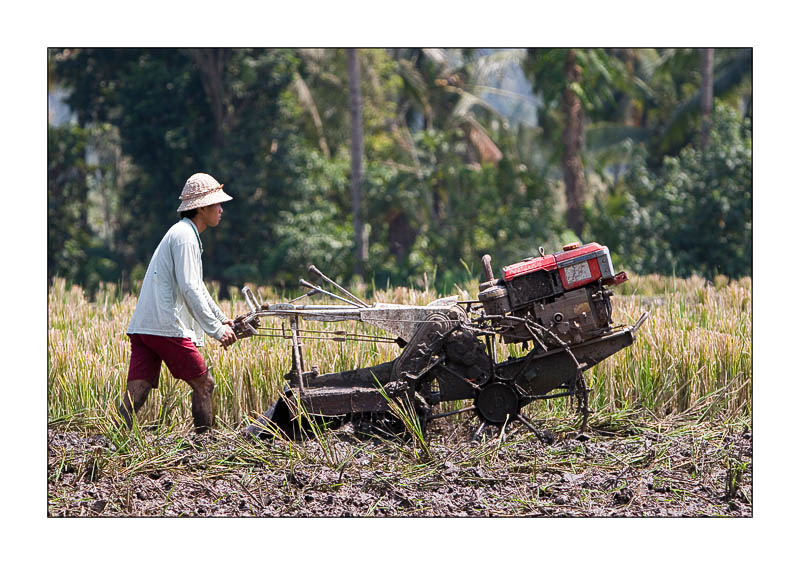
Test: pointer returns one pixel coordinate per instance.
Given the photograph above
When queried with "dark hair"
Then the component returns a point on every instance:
(189, 213)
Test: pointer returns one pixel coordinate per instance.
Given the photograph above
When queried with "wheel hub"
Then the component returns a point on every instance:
(497, 402)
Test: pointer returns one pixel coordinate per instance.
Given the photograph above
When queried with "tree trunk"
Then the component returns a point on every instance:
(573, 145)
(356, 158)
(401, 234)
(211, 63)
(706, 94)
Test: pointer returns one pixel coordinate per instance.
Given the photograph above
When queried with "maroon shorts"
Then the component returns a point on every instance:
(183, 359)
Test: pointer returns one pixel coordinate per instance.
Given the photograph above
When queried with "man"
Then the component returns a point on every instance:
(174, 308)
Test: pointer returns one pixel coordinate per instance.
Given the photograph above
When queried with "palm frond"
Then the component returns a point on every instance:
(307, 102)
(489, 68)
(444, 63)
(603, 135)
(414, 84)
(507, 93)
(467, 101)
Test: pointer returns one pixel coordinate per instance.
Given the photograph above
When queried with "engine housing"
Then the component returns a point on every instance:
(564, 292)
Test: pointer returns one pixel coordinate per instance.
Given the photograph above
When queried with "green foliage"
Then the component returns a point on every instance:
(692, 216)
(324, 71)
(684, 119)
(176, 118)
(450, 212)
(427, 220)
(447, 178)
(67, 233)
(429, 205)
(74, 251)
(315, 226)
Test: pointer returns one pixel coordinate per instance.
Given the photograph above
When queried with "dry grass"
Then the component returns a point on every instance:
(692, 357)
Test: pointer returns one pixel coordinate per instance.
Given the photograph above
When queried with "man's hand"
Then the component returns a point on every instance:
(228, 337)
(228, 323)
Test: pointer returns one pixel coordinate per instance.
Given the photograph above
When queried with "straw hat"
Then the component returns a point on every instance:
(201, 190)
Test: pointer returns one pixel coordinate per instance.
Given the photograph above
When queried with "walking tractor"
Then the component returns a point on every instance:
(558, 306)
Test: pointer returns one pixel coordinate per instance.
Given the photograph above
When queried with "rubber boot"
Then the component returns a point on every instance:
(134, 398)
(202, 407)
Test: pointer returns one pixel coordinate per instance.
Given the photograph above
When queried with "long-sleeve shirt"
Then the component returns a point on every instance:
(174, 301)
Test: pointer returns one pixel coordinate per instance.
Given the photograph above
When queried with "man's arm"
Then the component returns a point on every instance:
(191, 286)
(218, 313)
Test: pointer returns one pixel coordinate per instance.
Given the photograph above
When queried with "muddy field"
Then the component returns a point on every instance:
(661, 470)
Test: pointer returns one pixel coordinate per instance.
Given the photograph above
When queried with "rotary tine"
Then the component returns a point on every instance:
(545, 437)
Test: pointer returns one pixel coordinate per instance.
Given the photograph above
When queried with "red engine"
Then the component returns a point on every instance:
(564, 292)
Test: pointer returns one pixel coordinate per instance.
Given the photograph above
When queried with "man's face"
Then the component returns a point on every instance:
(211, 215)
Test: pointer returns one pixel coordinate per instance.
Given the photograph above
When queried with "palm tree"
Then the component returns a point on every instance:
(211, 63)
(574, 182)
(706, 94)
(569, 80)
(447, 90)
(356, 160)
(731, 69)
(632, 96)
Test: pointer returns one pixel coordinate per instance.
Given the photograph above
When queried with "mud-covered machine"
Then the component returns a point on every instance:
(557, 305)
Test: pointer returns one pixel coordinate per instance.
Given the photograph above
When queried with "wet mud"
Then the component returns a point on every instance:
(686, 471)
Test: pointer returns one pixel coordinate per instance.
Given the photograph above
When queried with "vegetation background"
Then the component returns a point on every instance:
(404, 165)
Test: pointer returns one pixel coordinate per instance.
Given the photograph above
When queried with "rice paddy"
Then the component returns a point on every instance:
(692, 356)
(670, 426)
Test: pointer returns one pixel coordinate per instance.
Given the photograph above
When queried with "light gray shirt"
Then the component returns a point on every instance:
(174, 301)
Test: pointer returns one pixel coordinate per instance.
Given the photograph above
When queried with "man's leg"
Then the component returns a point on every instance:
(202, 409)
(135, 395)
(143, 372)
(187, 364)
